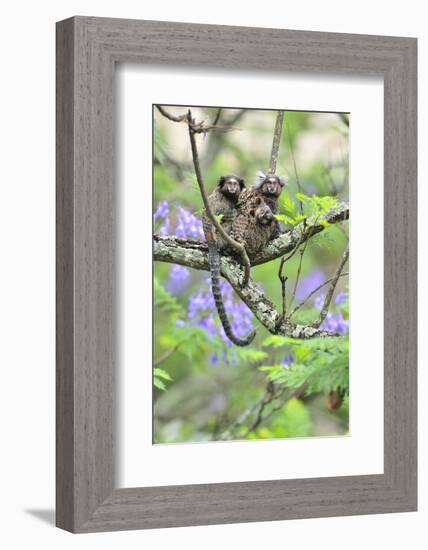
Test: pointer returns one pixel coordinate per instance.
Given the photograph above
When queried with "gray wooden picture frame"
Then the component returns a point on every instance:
(87, 50)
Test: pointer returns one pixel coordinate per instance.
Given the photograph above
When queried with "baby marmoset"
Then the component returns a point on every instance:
(223, 201)
(254, 224)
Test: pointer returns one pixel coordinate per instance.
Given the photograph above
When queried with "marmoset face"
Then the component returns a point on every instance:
(262, 213)
(231, 186)
(271, 186)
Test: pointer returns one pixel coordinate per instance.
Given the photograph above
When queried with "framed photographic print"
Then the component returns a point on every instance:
(236, 274)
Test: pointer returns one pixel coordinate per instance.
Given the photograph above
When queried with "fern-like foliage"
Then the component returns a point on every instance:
(319, 365)
(313, 208)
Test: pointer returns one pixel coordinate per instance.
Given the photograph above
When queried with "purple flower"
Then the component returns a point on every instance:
(288, 359)
(178, 278)
(214, 360)
(200, 303)
(188, 225)
(334, 322)
(208, 324)
(309, 283)
(162, 211)
(319, 301)
(165, 228)
(341, 297)
(202, 312)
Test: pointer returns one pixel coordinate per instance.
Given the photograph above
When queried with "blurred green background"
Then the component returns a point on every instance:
(204, 388)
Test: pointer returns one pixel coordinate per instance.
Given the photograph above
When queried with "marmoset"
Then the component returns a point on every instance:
(223, 201)
(254, 224)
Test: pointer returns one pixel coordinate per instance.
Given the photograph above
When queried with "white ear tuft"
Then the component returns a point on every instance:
(283, 180)
(260, 178)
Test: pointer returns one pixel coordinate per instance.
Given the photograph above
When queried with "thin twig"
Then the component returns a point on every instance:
(270, 395)
(198, 128)
(228, 433)
(299, 268)
(165, 356)
(283, 278)
(217, 139)
(217, 116)
(276, 141)
(237, 246)
(303, 302)
(296, 174)
(329, 295)
(169, 116)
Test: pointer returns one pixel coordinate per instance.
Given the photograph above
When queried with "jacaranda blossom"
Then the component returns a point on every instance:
(309, 283)
(178, 278)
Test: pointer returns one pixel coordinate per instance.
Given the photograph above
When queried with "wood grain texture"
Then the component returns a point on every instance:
(87, 49)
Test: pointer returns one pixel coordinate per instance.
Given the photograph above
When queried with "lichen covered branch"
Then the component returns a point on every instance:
(194, 254)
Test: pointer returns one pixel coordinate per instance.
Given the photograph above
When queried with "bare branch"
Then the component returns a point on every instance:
(217, 139)
(299, 268)
(269, 396)
(165, 356)
(272, 394)
(276, 141)
(199, 127)
(283, 279)
(235, 245)
(303, 302)
(330, 292)
(296, 174)
(217, 117)
(169, 116)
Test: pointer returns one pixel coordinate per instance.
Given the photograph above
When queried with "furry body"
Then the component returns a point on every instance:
(223, 201)
(254, 224)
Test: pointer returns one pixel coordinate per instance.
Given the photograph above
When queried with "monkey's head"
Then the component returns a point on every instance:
(270, 185)
(261, 212)
(231, 186)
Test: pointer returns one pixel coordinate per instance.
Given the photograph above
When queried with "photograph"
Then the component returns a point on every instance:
(250, 273)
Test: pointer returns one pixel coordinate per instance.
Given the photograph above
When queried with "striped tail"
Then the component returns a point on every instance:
(214, 257)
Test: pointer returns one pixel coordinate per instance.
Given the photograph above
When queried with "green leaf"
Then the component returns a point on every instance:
(287, 205)
(279, 341)
(320, 364)
(324, 223)
(159, 384)
(302, 197)
(164, 300)
(284, 219)
(160, 373)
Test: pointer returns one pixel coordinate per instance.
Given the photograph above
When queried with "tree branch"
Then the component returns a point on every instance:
(194, 254)
(329, 295)
(197, 127)
(276, 141)
(314, 291)
(227, 238)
